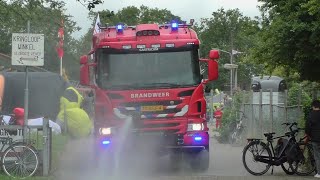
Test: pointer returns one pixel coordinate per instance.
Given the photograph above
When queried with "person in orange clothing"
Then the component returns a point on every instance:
(218, 115)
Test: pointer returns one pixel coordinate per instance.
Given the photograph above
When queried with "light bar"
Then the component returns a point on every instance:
(148, 33)
(170, 45)
(140, 46)
(198, 138)
(126, 46)
(155, 45)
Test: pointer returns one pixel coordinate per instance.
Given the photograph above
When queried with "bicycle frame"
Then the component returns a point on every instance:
(5, 141)
(280, 158)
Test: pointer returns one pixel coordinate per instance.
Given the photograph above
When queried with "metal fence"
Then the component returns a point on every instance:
(266, 111)
(40, 135)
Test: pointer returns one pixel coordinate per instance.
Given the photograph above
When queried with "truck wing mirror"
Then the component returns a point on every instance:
(213, 70)
(85, 70)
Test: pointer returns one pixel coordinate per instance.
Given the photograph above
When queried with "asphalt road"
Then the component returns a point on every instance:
(225, 163)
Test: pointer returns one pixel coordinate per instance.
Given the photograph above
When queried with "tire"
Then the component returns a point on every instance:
(200, 161)
(175, 161)
(105, 161)
(287, 169)
(11, 160)
(254, 146)
(307, 158)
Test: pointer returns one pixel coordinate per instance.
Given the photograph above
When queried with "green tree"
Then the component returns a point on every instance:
(227, 30)
(290, 36)
(45, 18)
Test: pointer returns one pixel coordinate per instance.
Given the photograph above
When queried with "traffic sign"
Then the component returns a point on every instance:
(230, 66)
(27, 49)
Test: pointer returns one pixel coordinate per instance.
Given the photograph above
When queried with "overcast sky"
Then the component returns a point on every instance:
(186, 9)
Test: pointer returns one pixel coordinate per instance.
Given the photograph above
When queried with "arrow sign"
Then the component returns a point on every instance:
(29, 59)
(27, 49)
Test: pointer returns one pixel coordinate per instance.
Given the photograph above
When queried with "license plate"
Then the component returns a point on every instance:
(151, 108)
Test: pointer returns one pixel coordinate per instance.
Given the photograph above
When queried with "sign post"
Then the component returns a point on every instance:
(27, 50)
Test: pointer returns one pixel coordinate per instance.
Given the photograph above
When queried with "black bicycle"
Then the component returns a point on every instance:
(19, 159)
(264, 158)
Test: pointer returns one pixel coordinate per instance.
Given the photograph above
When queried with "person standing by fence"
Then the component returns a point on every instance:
(313, 132)
(218, 115)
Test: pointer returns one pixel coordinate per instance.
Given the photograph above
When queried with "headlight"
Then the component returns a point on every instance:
(105, 131)
(195, 127)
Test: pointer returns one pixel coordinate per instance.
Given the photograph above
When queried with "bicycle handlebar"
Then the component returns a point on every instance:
(292, 132)
(291, 125)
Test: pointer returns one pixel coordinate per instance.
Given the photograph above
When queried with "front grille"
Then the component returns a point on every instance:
(171, 108)
(161, 125)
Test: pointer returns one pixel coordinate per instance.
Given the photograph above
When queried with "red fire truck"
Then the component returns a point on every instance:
(147, 84)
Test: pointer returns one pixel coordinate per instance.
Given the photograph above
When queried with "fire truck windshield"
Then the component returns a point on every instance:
(135, 70)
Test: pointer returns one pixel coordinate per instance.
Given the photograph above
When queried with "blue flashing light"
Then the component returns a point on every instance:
(119, 28)
(174, 26)
(198, 138)
(105, 142)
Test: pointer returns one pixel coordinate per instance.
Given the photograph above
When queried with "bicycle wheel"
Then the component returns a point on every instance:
(20, 160)
(256, 148)
(287, 168)
(305, 165)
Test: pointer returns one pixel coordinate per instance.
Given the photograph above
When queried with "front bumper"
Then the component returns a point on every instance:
(155, 141)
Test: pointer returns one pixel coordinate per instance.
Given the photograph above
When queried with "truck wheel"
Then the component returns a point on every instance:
(200, 160)
(103, 161)
(175, 160)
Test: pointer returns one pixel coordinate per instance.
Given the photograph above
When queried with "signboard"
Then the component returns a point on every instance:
(27, 49)
(16, 135)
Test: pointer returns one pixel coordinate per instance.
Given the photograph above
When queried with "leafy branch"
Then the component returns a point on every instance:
(90, 4)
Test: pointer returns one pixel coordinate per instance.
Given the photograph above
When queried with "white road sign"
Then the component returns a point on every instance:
(27, 49)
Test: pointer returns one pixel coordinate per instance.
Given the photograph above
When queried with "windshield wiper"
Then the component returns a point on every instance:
(121, 87)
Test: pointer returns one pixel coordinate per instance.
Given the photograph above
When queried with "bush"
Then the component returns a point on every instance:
(230, 115)
(294, 93)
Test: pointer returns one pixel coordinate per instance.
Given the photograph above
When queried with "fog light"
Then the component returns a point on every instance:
(105, 142)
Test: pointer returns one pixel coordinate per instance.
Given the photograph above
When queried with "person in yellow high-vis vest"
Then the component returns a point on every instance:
(71, 98)
(78, 121)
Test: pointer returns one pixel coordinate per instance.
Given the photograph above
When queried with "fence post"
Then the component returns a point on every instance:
(46, 147)
(286, 105)
(260, 113)
(253, 122)
(299, 101)
(271, 109)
